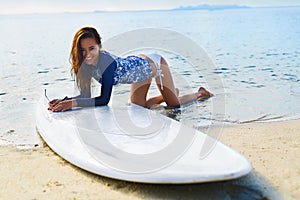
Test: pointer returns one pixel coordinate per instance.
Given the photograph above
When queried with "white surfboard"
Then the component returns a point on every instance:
(131, 143)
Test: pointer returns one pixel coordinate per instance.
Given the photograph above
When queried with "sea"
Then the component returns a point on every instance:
(249, 58)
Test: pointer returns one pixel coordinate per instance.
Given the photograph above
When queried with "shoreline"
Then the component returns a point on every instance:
(272, 148)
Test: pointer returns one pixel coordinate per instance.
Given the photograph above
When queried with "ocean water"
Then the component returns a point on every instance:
(255, 54)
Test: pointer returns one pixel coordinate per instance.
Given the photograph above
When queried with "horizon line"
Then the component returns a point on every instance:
(181, 8)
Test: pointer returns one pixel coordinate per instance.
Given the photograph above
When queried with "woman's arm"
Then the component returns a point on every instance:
(103, 99)
(106, 89)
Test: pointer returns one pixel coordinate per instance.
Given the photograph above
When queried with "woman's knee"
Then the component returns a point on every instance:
(137, 101)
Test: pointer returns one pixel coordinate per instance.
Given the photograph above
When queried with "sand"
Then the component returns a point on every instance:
(272, 148)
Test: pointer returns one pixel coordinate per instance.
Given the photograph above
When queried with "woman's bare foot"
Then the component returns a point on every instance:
(203, 93)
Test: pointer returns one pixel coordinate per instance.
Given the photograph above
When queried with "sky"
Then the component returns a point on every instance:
(55, 6)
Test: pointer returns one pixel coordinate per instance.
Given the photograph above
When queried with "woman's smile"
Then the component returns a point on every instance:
(90, 51)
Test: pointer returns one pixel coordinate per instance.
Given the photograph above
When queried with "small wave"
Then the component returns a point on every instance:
(43, 72)
(250, 67)
(272, 54)
(267, 69)
(61, 79)
(264, 118)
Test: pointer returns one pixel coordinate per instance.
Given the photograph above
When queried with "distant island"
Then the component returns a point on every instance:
(210, 7)
(199, 7)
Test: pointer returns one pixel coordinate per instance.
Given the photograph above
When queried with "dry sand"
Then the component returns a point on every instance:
(272, 148)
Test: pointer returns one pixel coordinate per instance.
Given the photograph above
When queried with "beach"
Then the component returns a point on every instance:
(272, 149)
(253, 71)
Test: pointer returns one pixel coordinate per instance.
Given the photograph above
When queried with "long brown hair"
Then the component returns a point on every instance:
(76, 55)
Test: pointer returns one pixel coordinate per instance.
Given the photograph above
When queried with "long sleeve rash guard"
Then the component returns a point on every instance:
(104, 74)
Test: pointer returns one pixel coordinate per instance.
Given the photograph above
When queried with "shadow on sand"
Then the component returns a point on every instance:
(252, 187)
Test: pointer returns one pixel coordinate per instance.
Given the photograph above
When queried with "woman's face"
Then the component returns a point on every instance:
(90, 50)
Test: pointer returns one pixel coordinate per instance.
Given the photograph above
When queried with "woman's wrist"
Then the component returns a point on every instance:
(74, 103)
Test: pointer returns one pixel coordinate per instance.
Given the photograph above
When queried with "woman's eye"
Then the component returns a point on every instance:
(92, 48)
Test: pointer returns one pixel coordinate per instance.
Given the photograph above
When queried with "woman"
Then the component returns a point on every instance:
(89, 60)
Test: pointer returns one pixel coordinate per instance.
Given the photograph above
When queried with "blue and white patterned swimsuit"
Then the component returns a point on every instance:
(131, 69)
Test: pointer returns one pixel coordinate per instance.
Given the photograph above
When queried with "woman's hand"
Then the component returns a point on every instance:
(53, 103)
(58, 105)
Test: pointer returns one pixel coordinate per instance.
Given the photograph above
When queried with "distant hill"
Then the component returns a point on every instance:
(210, 7)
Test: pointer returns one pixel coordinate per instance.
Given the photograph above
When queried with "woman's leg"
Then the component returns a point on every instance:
(201, 94)
(139, 92)
(157, 100)
(169, 93)
(167, 90)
